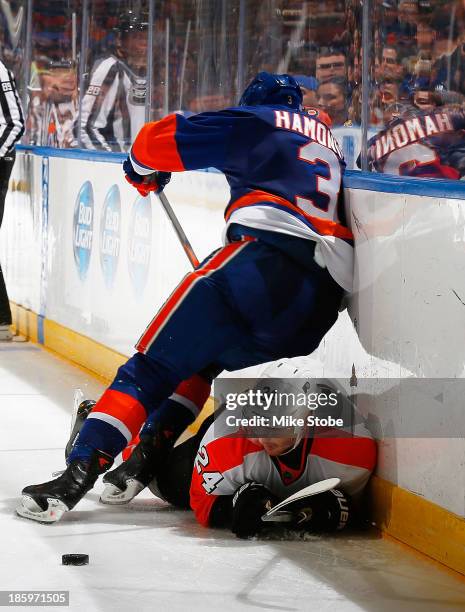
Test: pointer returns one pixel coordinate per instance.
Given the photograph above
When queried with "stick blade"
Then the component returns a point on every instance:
(313, 489)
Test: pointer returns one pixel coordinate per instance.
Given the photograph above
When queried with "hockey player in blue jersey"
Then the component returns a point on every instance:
(272, 291)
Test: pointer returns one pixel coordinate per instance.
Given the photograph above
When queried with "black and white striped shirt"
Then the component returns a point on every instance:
(11, 113)
(113, 107)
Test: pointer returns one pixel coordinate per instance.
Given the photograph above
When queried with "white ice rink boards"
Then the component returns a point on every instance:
(146, 556)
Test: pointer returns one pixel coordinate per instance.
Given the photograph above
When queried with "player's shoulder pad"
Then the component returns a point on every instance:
(232, 112)
(226, 118)
(259, 112)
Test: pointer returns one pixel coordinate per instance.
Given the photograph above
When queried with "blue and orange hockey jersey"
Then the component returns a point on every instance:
(284, 169)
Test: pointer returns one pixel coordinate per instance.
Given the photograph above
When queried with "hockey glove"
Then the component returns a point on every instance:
(326, 512)
(250, 502)
(156, 181)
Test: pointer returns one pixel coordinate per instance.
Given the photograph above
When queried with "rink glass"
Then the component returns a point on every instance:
(364, 63)
(15, 50)
(52, 85)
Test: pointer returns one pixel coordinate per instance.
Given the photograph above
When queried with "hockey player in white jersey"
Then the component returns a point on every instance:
(238, 476)
(230, 475)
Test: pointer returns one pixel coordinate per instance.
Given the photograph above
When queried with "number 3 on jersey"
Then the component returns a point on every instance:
(327, 171)
(210, 479)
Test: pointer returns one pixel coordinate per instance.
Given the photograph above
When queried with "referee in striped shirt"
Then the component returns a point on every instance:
(11, 130)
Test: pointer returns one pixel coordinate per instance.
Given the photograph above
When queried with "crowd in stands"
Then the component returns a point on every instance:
(204, 53)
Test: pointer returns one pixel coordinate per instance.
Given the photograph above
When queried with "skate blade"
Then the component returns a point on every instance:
(111, 495)
(29, 509)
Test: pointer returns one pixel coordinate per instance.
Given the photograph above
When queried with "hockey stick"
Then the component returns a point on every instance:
(78, 396)
(186, 245)
(281, 512)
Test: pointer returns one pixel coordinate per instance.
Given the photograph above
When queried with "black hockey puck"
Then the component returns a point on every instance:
(75, 559)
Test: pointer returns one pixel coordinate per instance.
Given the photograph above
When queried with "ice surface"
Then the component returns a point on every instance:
(148, 556)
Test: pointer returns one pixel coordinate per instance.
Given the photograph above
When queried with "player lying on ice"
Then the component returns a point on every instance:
(232, 476)
(272, 291)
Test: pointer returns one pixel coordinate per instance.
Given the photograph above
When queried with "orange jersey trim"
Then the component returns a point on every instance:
(356, 451)
(123, 407)
(182, 290)
(225, 454)
(155, 146)
(201, 503)
(323, 226)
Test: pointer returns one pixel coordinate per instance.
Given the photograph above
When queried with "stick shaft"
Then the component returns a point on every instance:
(186, 245)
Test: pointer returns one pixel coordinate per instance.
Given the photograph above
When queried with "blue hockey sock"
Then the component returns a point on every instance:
(97, 435)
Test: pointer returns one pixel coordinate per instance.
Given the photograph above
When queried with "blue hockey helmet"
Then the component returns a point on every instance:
(267, 88)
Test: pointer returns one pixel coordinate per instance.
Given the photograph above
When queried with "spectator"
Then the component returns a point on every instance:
(390, 66)
(332, 98)
(330, 64)
(424, 99)
(389, 92)
(11, 130)
(425, 37)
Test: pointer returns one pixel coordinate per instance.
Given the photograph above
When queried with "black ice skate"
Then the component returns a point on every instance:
(128, 479)
(48, 502)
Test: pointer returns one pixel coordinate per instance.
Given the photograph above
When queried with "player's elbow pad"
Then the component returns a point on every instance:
(327, 512)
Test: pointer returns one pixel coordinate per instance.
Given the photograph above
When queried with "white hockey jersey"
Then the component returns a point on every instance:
(224, 463)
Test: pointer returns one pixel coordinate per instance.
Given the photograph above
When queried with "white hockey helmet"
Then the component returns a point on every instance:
(288, 391)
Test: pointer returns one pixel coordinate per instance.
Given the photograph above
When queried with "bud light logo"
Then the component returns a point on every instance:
(140, 243)
(110, 235)
(83, 228)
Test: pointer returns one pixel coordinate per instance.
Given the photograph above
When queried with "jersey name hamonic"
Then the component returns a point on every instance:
(284, 171)
(309, 127)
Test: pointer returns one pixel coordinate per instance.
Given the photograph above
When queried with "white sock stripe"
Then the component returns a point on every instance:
(110, 420)
(187, 403)
(188, 290)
